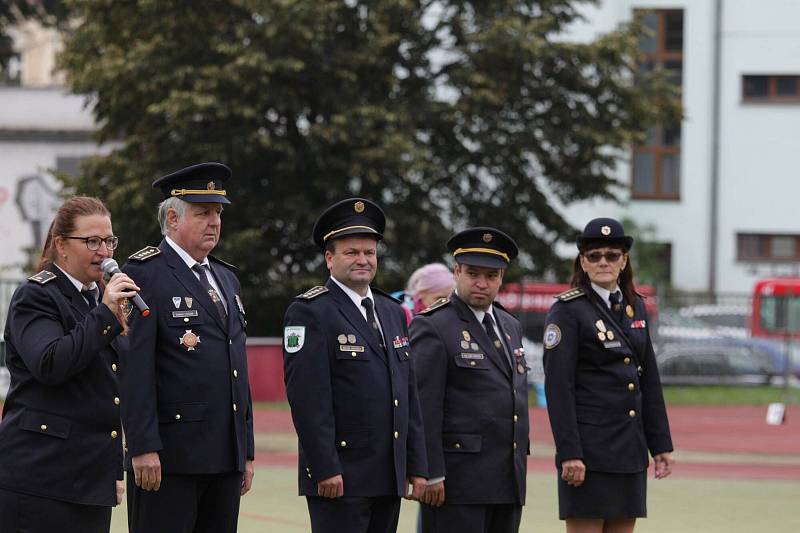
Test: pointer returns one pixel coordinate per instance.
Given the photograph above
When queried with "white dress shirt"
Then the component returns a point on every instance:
(190, 262)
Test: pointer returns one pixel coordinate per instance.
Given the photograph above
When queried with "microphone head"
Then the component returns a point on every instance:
(108, 266)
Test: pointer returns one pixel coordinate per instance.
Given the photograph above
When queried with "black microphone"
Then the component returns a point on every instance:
(110, 267)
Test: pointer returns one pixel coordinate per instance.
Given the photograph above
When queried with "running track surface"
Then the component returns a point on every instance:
(720, 432)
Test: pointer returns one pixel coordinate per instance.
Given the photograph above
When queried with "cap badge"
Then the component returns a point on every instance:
(605, 230)
(358, 207)
(211, 186)
(487, 237)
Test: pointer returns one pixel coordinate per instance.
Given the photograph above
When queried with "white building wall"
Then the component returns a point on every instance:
(759, 182)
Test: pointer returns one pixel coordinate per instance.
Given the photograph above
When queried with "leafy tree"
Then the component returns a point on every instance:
(448, 113)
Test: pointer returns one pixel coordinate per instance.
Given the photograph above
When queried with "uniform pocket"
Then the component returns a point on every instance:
(461, 442)
(182, 412)
(46, 424)
(353, 353)
(472, 361)
(183, 318)
(353, 439)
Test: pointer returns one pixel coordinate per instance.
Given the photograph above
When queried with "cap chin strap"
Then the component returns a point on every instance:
(184, 192)
(334, 232)
(481, 251)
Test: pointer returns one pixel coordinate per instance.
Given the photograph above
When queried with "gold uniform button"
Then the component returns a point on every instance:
(397, 434)
(515, 445)
(309, 476)
(114, 367)
(627, 360)
(234, 407)
(516, 418)
(472, 363)
(308, 469)
(343, 444)
(178, 416)
(457, 446)
(114, 434)
(116, 400)
(631, 386)
(396, 402)
(353, 354)
(631, 413)
(186, 319)
(43, 427)
(235, 373)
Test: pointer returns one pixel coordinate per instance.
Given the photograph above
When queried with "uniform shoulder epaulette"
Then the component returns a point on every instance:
(384, 293)
(313, 292)
(224, 263)
(145, 253)
(43, 277)
(438, 304)
(571, 294)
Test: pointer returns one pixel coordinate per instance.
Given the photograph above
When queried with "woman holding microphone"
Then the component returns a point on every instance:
(60, 436)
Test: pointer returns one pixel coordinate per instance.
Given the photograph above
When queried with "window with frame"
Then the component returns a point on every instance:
(770, 88)
(767, 247)
(656, 164)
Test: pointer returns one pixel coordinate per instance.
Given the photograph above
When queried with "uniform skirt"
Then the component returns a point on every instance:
(604, 495)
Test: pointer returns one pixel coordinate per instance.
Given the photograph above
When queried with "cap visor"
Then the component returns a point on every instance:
(481, 260)
(204, 198)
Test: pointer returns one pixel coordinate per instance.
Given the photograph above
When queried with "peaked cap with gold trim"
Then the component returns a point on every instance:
(354, 216)
(483, 247)
(204, 182)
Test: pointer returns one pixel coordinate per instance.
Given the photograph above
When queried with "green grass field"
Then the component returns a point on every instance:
(675, 506)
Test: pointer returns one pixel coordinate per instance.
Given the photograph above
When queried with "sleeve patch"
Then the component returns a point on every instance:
(552, 336)
(43, 277)
(293, 338)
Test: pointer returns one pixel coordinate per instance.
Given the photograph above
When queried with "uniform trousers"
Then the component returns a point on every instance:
(350, 514)
(23, 513)
(186, 503)
(494, 518)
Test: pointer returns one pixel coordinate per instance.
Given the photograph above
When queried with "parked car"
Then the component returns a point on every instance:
(715, 362)
(726, 320)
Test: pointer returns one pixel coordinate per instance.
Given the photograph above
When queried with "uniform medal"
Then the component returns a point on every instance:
(190, 340)
(629, 311)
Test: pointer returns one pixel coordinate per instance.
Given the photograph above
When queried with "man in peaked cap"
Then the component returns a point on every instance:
(472, 380)
(351, 385)
(185, 402)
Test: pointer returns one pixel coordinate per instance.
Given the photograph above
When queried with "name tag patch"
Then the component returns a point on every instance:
(346, 348)
(184, 314)
(472, 356)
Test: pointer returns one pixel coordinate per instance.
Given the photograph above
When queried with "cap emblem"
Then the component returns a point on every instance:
(358, 207)
(605, 230)
(211, 186)
(487, 237)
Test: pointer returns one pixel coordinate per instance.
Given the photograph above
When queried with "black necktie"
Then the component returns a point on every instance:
(367, 304)
(212, 293)
(90, 296)
(488, 323)
(616, 305)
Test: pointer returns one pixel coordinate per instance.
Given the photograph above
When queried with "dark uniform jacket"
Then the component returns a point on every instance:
(354, 406)
(604, 395)
(185, 390)
(474, 403)
(60, 437)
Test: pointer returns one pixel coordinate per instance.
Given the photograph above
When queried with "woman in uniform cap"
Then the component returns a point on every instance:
(60, 438)
(603, 391)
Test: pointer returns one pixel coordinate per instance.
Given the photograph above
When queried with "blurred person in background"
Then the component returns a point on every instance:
(428, 284)
(60, 437)
(603, 390)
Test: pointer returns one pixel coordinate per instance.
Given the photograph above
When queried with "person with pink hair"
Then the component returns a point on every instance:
(428, 284)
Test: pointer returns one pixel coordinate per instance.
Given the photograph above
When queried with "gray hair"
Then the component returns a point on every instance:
(174, 203)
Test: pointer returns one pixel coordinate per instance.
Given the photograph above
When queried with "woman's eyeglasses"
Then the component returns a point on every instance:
(595, 257)
(93, 243)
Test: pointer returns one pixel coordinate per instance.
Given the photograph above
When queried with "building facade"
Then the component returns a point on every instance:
(721, 190)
